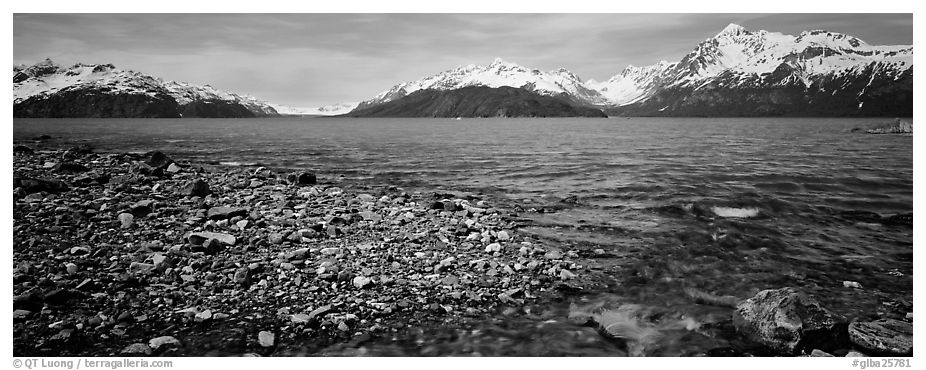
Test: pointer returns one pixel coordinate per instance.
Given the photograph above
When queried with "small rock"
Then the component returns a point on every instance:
(173, 168)
(302, 178)
(300, 318)
(199, 238)
(126, 219)
(330, 251)
(855, 354)
(157, 159)
(883, 337)
(819, 353)
(141, 268)
(342, 326)
(71, 268)
(502, 235)
(494, 247)
(137, 349)
(553, 255)
(164, 341)
(362, 282)
(21, 314)
(221, 213)
(320, 311)
(203, 316)
(195, 188)
(241, 224)
(266, 339)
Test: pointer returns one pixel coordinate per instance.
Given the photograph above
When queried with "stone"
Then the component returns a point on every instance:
(221, 213)
(553, 255)
(70, 167)
(241, 224)
(157, 159)
(242, 276)
(789, 321)
(22, 150)
(330, 251)
(494, 247)
(855, 354)
(173, 168)
(142, 208)
(321, 311)
(302, 178)
(300, 318)
(126, 219)
(266, 339)
(851, 284)
(33, 185)
(21, 314)
(886, 337)
(195, 188)
(342, 326)
(200, 238)
(163, 341)
(502, 235)
(819, 353)
(141, 268)
(203, 316)
(71, 268)
(362, 282)
(137, 349)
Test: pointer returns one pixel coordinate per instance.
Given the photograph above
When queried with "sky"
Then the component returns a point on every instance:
(310, 60)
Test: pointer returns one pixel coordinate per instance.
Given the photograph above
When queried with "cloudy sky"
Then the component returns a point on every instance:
(307, 60)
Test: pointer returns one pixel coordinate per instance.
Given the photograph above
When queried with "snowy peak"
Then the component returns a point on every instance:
(737, 55)
(47, 78)
(731, 29)
(496, 74)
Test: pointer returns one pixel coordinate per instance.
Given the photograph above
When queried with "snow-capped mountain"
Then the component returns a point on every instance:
(47, 89)
(770, 65)
(497, 74)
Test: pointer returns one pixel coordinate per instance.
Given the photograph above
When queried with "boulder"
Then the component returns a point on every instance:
(789, 321)
(887, 337)
(265, 339)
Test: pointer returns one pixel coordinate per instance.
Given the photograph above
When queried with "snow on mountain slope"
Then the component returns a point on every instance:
(46, 78)
(497, 74)
(733, 57)
(328, 110)
(742, 56)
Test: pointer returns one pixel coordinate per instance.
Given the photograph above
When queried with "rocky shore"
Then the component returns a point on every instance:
(138, 254)
(135, 254)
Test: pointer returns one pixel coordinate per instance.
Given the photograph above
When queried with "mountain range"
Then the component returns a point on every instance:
(47, 89)
(738, 72)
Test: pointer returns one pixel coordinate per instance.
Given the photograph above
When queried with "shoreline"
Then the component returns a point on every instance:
(136, 254)
(127, 255)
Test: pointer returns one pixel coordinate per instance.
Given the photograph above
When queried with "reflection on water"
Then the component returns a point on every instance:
(726, 207)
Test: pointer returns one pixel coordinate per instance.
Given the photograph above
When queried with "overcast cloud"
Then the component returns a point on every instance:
(307, 60)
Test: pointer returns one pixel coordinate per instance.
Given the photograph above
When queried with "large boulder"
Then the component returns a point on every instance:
(886, 337)
(195, 188)
(789, 321)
